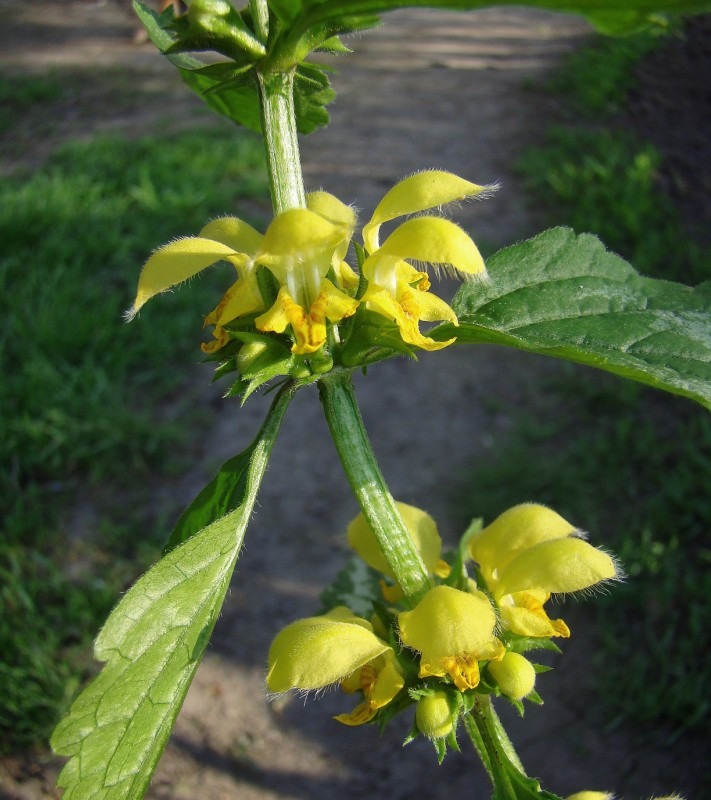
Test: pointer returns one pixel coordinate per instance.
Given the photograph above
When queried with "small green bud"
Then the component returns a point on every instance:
(433, 715)
(247, 354)
(514, 674)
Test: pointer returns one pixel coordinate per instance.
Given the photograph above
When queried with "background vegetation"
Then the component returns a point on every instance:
(630, 464)
(84, 401)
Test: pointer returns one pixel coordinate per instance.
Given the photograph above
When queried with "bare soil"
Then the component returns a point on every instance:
(427, 89)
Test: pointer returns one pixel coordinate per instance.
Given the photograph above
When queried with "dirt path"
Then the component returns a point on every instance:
(457, 95)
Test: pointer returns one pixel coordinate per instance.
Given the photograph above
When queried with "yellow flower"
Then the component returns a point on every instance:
(528, 553)
(379, 680)
(396, 289)
(424, 533)
(226, 239)
(299, 247)
(453, 630)
(316, 652)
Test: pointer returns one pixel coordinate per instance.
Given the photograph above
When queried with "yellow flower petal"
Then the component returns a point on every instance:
(447, 623)
(421, 527)
(331, 208)
(234, 233)
(295, 235)
(380, 681)
(556, 566)
(429, 239)
(588, 795)
(404, 315)
(176, 262)
(309, 328)
(332, 303)
(431, 308)
(523, 613)
(515, 530)
(276, 318)
(419, 192)
(318, 651)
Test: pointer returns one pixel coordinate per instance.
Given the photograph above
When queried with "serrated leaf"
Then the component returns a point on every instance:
(356, 586)
(312, 92)
(565, 295)
(228, 488)
(152, 645)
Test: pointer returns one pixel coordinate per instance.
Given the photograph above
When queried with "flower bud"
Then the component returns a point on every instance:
(516, 677)
(588, 795)
(433, 715)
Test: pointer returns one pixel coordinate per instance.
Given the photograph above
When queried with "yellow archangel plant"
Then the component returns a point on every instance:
(304, 249)
(454, 642)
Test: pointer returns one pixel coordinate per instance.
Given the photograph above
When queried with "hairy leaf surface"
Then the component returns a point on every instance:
(154, 640)
(565, 295)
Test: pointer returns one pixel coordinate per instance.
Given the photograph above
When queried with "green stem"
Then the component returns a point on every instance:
(484, 736)
(368, 484)
(286, 183)
(260, 15)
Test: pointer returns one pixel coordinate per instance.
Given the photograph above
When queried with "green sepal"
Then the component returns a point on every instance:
(333, 45)
(517, 704)
(372, 335)
(534, 697)
(523, 644)
(228, 489)
(260, 359)
(565, 295)
(440, 746)
(540, 669)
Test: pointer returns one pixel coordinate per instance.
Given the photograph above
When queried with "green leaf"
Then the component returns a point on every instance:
(356, 586)
(229, 487)
(312, 92)
(152, 645)
(564, 295)
(224, 87)
(609, 16)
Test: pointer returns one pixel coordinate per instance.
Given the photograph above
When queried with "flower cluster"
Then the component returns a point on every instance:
(293, 281)
(465, 636)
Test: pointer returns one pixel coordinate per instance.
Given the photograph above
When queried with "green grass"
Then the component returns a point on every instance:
(606, 182)
(596, 79)
(85, 397)
(20, 93)
(630, 465)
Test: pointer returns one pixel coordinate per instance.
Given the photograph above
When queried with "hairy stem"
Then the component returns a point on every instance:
(286, 183)
(368, 484)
